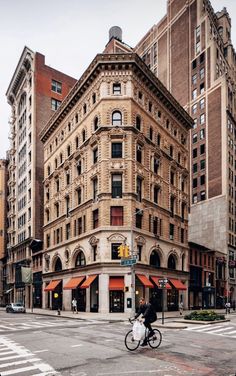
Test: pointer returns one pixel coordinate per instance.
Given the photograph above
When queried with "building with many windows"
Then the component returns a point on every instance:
(35, 92)
(116, 173)
(3, 223)
(191, 52)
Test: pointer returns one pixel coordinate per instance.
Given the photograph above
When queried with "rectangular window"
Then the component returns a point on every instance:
(202, 118)
(172, 229)
(95, 155)
(202, 73)
(95, 189)
(79, 196)
(202, 195)
(202, 134)
(194, 94)
(139, 189)
(202, 103)
(194, 199)
(194, 79)
(80, 229)
(116, 185)
(67, 231)
(116, 88)
(202, 164)
(202, 149)
(194, 108)
(182, 235)
(195, 183)
(55, 104)
(194, 138)
(139, 153)
(116, 215)
(95, 218)
(195, 123)
(139, 217)
(202, 179)
(156, 164)
(194, 167)
(155, 194)
(56, 86)
(202, 88)
(116, 150)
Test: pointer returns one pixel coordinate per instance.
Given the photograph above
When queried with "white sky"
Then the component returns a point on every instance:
(70, 33)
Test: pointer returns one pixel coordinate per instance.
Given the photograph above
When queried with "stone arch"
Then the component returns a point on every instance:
(117, 237)
(172, 260)
(156, 256)
(56, 263)
(75, 254)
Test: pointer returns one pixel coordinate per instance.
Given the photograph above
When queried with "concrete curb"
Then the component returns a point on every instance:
(198, 322)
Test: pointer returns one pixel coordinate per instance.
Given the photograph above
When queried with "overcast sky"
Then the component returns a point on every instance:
(70, 33)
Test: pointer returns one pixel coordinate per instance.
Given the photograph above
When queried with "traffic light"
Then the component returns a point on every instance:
(121, 250)
(126, 251)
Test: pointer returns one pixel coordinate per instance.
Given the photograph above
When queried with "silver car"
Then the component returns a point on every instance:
(15, 307)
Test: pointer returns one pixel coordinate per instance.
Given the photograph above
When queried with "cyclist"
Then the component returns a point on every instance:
(149, 314)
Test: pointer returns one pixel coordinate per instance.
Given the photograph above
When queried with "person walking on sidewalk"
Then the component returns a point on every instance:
(148, 314)
(74, 305)
(227, 307)
(181, 308)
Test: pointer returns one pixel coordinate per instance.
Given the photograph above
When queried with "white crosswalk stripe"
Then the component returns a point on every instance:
(221, 330)
(21, 361)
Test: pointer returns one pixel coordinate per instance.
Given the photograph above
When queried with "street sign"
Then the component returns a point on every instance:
(128, 262)
(163, 281)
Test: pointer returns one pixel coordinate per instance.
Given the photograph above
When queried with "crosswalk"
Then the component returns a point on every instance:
(9, 327)
(228, 330)
(17, 360)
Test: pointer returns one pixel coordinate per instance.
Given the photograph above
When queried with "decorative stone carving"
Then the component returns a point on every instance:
(93, 240)
(117, 237)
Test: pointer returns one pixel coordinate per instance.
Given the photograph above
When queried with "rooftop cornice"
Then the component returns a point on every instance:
(109, 62)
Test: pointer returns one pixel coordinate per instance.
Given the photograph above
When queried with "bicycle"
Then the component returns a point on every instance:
(154, 341)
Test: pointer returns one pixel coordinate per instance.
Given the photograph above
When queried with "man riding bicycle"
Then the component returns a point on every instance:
(149, 314)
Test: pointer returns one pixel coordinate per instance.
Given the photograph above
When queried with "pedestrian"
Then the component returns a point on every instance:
(227, 307)
(149, 315)
(74, 305)
(181, 308)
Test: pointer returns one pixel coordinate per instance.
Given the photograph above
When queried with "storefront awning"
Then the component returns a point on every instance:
(145, 281)
(156, 281)
(73, 283)
(177, 284)
(52, 285)
(88, 281)
(116, 283)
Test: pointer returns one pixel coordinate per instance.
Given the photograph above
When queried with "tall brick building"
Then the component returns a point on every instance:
(3, 217)
(191, 52)
(116, 172)
(35, 92)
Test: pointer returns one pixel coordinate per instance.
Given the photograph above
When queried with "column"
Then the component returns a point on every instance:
(103, 289)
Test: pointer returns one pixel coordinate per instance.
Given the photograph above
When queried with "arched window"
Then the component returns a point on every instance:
(58, 265)
(80, 259)
(138, 123)
(95, 123)
(155, 259)
(171, 262)
(116, 118)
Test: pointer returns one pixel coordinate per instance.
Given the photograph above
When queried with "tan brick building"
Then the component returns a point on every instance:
(191, 52)
(35, 92)
(116, 167)
(3, 217)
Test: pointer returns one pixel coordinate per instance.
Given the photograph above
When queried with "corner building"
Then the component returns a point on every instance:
(115, 165)
(191, 52)
(34, 93)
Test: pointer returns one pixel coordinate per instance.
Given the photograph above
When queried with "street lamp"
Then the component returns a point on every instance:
(132, 267)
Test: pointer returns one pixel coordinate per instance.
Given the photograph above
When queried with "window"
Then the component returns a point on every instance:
(94, 98)
(61, 158)
(150, 106)
(182, 235)
(57, 185)
(172, 177)
(67, 231)
(83, 135)
(114, 251)
(139, 153)
(156, 164)
(202, 103)
(79, 167)
(116, 185)
(198, 47)
(140, 95)
(158, 139)
(95, 123)
(95, 155)
(68, 150)
(202, 149)
(194, 138)
(55, 104)
(116, 89)
(195, 153)
(95, 218)
(139, 217)
(202, 118)
(116, 150)
(77, 142)
(194, 167)
(194, 108)
(171, 231)
(79, 196)
(80, 259)
(79, 221)
(194, 199)
(56, 86)
(138, 123)
(202, 179)
(194, 94)
(172, 206)
(202, 195)
(67, 202)
(116, 215)
(150, 133)
(84, 108)
(194, 79)
(156, 194)
(67, 178)
(202, 134)
(202, 88)
(197, 31)
(95, 189)
(202, 73)
(171, 150)
(195, 183)
(202, 164)
(194, 64)
(202, 57)
(139, 189)
(95, 251)
(57, 209)
(195, 123)
(116, 118)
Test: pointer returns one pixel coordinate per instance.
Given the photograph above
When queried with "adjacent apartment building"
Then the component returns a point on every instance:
(116, 173)
(191, 52)
(35, 92)
(3, 222)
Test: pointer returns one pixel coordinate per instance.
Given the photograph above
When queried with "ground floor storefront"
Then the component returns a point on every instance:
(107, 290)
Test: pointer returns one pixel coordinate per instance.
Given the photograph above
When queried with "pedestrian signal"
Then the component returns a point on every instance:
(121, 250)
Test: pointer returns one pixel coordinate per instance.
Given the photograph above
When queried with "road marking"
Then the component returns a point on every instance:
(4, 365)
(233, 332)
(220, 330)
(77, 345)
(40, 351)
(206, 329)
(18, 370)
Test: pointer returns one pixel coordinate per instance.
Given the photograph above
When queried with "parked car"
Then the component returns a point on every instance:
(15, 307)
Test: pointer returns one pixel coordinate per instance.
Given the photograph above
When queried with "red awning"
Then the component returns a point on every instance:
(73, 283)
(116, 283)
(177, 284)
(52, 285)
(88, 281)
(156, 281)
(145, 281)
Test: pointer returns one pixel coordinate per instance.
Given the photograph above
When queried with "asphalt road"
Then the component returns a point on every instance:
(40, 345)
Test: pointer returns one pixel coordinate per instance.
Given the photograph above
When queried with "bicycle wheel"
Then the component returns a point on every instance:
(155, 340)
(130, 343)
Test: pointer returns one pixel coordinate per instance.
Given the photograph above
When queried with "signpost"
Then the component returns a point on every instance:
(128, 262)
(162, 284)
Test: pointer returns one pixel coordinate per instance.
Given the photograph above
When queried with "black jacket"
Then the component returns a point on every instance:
(148, 312)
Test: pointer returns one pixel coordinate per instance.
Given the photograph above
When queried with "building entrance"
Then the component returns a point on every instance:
(116, 301)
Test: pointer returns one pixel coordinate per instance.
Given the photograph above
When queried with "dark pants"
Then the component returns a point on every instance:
(147, 323)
